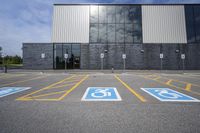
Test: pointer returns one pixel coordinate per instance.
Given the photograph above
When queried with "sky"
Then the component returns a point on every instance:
(31, 20)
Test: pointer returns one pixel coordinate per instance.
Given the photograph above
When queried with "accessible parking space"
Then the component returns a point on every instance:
(98, 102)
(98, 82)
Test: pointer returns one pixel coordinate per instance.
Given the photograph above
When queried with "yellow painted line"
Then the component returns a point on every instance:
(169, 82)
(21, 81)
(70, 90)
(197, 93)
(65, 85)
(11, 76)
(156, 78)
(188, 87)
(182, 82)
(47, 99)
(74, 80)
(47, 94)
(26, 99)
(131, 90)
(47, 87)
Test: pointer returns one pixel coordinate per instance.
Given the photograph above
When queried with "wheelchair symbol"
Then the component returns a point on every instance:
(166, 94)
(99, 93)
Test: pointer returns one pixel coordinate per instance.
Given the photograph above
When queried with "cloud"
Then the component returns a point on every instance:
(31, 20)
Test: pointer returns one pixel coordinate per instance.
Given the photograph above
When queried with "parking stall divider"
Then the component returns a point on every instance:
(140, 97)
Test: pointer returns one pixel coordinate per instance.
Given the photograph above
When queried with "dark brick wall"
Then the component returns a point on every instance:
(149, 59)
(32, 55)
(90, 56)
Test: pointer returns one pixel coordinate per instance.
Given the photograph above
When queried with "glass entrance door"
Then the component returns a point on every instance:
(73, 60)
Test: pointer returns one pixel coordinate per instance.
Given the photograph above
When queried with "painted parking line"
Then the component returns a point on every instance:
(5, 91)
(70, 90)
(55, 89)
(7, 76)
(28, 96)
(141, 98)
(101, 94)
(169, 83)
(21, 81)
(169, 95)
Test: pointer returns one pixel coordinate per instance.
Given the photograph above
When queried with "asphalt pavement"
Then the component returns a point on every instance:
(55, 102)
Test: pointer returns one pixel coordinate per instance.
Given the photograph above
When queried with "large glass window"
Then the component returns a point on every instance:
(73, 60)
(111, 33)
(93, 32)
(197, 22)
(94, 14)
(116, 24)
(111, 14)
(102, 14)
(192, 14)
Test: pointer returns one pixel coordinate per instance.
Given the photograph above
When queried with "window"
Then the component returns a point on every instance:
(197, 22)
(73, 60)
(102, 33)
(192, 14)
(115, 24)
(94, 14)
(93, 32)
(111, 33)
(102, 14)
(111, 14)
(129, 33)
(119, 33)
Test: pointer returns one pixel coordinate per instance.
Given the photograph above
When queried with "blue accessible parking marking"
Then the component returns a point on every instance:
(166, 94)
(101, 94)
(5, 91)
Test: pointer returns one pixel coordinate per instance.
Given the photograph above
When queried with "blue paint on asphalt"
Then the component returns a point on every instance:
(166, 94)
(101, 93)
(5, 91)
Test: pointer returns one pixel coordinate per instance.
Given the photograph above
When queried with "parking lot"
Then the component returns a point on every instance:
(98, 102)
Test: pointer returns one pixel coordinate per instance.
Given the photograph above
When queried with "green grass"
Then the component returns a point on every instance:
(12, 65)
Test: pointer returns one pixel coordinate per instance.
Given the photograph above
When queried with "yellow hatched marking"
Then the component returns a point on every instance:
(197, 93)
(156, 78)
(169, 82)
(47, 94)
(65, 85)
(182, 82)
(70, 90)
(141, 98)
(46, 99)
(188, 87)
(45, 88)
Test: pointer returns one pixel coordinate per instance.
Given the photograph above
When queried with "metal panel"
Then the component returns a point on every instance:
(70, 24)
(163, 24)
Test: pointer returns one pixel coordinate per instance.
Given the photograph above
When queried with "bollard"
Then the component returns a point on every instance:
(5, 69)
(112, 70)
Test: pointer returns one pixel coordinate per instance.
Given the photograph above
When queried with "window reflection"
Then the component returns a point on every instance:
(94, 14)
(73, 51)
(192, 13)
(116, 24)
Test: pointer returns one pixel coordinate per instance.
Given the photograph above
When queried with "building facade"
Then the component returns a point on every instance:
(129, 36)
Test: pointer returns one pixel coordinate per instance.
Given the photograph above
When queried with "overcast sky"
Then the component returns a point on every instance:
(30, 20)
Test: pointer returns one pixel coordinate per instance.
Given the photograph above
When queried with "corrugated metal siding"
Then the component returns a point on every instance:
(70, 24)
(163, 24)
